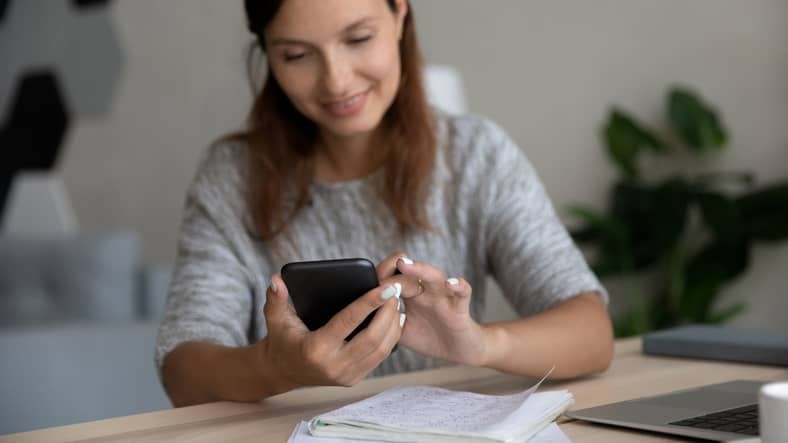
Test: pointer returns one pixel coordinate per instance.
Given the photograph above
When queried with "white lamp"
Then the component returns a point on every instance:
(38, 205)
(445, 89)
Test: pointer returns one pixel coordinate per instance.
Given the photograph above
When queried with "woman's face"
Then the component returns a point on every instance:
(337, 60)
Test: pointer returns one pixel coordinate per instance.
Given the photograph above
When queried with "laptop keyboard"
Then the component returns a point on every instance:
(743, 420)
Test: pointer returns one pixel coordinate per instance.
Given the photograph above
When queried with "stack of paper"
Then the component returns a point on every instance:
(550, 434)
(430, 414)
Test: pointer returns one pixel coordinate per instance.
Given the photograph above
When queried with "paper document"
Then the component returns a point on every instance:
(551, 434)
(431, 414)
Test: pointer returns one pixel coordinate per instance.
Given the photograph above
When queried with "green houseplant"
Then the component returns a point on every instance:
(695, 232)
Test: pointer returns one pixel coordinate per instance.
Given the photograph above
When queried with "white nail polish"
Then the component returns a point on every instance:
(272, 286)
(406, 260)
(389, 292)
(398, 288)
(402, 318)
(453, 281)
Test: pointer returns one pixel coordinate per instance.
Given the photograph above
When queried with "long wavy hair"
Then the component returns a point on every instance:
(281, 141)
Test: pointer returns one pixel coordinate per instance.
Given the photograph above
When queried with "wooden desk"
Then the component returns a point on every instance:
(631, 375)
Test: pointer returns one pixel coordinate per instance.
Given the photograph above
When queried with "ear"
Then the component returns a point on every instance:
(402, 12)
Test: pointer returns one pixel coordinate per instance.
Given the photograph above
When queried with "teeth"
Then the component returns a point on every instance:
(348, 103)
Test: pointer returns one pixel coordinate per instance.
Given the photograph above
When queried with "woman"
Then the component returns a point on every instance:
(342, 157)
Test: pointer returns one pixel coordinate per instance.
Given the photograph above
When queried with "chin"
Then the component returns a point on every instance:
(353, 127)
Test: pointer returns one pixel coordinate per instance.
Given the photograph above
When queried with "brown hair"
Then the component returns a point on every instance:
(281, 141)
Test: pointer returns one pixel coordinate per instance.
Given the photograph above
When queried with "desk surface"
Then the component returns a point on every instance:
(631, 375)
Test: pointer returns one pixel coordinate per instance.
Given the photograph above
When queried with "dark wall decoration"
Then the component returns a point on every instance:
(88, 3)
(35, 128)
(80, 80)
(3, 7)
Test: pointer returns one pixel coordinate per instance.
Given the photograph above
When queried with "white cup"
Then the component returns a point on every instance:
(773, 412)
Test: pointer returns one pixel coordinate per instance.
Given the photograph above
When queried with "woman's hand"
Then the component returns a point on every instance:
(300, 357)
(438, 323)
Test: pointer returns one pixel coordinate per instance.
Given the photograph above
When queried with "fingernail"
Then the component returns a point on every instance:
(272, 286)
(406, 260)
(389, 292)
(453, 281)
(398, 288)
(402, 318)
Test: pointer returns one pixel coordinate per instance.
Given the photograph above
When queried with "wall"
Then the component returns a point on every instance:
(547, 71)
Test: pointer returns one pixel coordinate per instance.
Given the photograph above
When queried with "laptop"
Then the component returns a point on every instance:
(723, 412)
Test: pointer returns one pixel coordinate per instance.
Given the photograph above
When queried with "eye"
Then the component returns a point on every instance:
(360, 40)
(294, 56)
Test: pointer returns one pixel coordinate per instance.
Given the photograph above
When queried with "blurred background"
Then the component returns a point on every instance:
(107, 106)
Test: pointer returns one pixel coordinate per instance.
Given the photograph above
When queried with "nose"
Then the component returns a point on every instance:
(337, 74)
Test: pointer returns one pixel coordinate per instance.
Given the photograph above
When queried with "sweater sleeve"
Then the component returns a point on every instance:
(211, 297)
(529, 251)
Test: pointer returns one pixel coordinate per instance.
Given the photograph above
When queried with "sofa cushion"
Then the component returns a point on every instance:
(62, 374)
(29, 305)
(155, 283)
(65, 279)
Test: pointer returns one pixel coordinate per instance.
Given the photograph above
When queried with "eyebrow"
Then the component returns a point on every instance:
(351, 27)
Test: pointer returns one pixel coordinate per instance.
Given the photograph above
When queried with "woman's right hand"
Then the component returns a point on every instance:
(300, 357)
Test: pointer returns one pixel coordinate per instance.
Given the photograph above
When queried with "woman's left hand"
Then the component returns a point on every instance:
(438, 321)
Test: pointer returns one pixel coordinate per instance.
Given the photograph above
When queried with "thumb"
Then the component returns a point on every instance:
(277, 308)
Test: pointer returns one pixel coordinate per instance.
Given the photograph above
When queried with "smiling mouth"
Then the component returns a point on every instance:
(347, 105)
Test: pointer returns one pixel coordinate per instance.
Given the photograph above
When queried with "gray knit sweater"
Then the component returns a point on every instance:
(489, 210)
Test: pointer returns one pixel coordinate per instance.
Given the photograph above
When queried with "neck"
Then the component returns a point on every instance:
(347, 158)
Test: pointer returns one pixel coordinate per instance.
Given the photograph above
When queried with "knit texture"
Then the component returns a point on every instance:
(489, 209)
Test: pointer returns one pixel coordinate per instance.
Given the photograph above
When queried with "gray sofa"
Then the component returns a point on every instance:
(78, 322)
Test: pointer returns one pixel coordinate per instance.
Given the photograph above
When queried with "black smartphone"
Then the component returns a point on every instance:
(319, 289)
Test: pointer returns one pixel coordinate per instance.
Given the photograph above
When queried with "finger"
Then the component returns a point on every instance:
(275, 297)
(388, 266)
(346, 320)
(383, 345)
(411, 285)
(421, 270)
(370, 337)
(459, 286)
(424, 277)
(277, 310)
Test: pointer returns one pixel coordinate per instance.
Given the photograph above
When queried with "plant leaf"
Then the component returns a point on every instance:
(714, 265)
(671, 206)
(695, 121)
(625, 138)
(727, 313)
(646, 315)
(721, 214)
(764, 212)
(677, 277)
(712, 180)
(699, 293)
(655, 216)
(633, 322)
(614, 251)
(584, 234)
